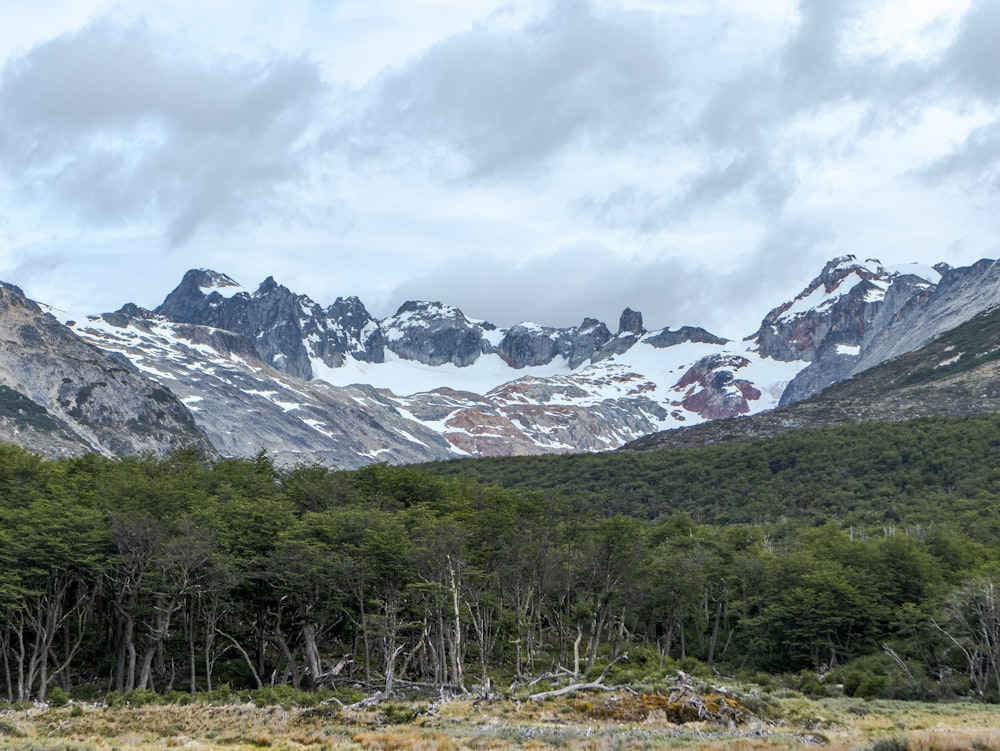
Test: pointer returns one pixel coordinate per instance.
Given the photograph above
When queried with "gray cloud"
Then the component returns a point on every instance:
(970, 64)
(747, 182)
(975, 162)
(119, 126)
(588, 280)
(748, 131)
(967, 71)
(503, 101)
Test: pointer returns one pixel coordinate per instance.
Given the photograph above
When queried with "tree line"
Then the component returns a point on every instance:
(188, 573)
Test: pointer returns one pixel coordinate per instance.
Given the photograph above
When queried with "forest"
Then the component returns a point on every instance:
(862, 559)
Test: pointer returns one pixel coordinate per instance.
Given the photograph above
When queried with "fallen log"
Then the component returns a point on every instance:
(592, 686)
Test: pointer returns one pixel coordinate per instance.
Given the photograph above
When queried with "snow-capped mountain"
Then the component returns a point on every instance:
(271, 369)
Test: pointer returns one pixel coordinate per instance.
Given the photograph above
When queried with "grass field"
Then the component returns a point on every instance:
(577, 722)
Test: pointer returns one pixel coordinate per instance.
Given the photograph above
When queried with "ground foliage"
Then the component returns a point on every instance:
(859, 561)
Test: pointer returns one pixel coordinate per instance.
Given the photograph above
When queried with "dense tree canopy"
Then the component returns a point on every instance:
(869, 548)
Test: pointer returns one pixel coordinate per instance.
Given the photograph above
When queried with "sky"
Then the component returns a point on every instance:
(696, 160)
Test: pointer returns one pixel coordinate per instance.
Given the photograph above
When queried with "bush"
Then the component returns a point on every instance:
(85, 692)
(56, 697)
(284, 696)
(871, 686)
(10, 730)
(396, 714)
(132, 698)
(810, 685)
(893, 743)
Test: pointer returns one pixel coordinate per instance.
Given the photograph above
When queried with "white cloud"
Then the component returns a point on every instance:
(546, 160)
(118, 127)
(507, 100)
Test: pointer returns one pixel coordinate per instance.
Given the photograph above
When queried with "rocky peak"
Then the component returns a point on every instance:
(345, 328)
(629, 330)
(630, 322)
(667, 338)
(435, 334)
(290, 332)
(528, 345)
(839, 304)
(586, 341)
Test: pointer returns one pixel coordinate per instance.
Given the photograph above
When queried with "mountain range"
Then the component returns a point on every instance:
(236, 371)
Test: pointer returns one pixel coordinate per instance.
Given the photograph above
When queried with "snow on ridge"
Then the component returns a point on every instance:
(406, 377)
(221, 284)
(927, 273)
(872, 265)
(818, 299)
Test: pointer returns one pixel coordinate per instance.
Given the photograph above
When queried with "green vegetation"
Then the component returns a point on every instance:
(857, 562)
(865, 474)
(14, 404)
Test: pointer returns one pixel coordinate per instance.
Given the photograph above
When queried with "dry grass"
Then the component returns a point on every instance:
(584, 722)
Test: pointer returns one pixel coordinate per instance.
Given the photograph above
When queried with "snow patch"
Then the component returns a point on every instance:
(406, 377)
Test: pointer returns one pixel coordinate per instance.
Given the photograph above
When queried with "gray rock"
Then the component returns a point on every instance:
(527, 345)
(64, 396)
(668, 338)
(784, 335)
(286, 330)
(630, 322)
(435, 334)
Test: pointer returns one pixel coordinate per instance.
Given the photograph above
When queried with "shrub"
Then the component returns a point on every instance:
(892, 743)
(810, 685)
(284, 696)
(871, 686)
(396, 714)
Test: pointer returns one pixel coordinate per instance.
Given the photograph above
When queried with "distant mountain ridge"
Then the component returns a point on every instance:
(308, 382)
(273, 369)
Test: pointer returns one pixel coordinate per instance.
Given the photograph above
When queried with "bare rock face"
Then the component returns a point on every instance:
(435, 334)
(961, 294)
(712, 389)
(667, 338)
(528, 344)
(63, 396)
(630, 330)
(244, 405)
(586, 341)
(349, 330)
(911, 314)
(837, 307)
(287, 330)
(630, 322)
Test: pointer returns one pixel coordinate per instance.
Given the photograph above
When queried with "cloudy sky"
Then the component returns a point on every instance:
(697, 160)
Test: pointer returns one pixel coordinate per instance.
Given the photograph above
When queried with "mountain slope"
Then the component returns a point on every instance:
(272, 369)
(906, 322)
(244, 404)
(957, 374)
(62, 396)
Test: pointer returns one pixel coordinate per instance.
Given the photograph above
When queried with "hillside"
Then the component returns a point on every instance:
(62, 396)
(958, 373)
(811, 551)
(859, 473)
(271, 369)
